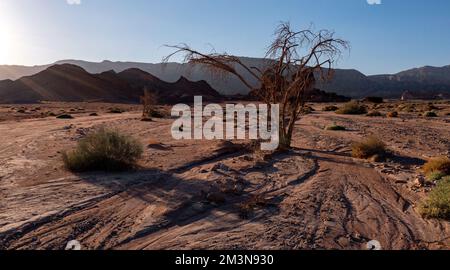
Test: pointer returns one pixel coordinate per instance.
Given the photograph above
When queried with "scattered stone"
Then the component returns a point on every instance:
(221, 167)
(419, 182)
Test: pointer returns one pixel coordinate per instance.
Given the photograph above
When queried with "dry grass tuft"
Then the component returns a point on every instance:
(352, 107)
(437, 205)
(368, 148)
(438, 164)
(104, 150)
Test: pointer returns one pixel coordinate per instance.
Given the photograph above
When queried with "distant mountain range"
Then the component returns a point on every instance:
(71, 83)
(425, 82)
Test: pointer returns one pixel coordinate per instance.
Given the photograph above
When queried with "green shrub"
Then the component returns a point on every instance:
(435, 176)
(330, 108)
(438, 164)
(437, 205)
(368, 148)
(430, 114)
(104, 150)
(352, 107)
(335, 128)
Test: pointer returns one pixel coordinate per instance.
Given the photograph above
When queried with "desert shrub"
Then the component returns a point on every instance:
(368, 148)
(307, 110)
(352, 107)
(435, 176)
(392, 114)
(93, 114)
(438, 164)
(21, 111)
(115, 110)
(376, 100)
(374, 114)
(64, 116)
(335, 127)
(437, 205)
(430, 114)
(330, 108)
(104, 150)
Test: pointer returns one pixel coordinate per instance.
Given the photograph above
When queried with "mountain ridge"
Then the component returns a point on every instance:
(429, 81)
(71, 83)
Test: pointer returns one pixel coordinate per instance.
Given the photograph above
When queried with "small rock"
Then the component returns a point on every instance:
(220, 166)
(419, 182)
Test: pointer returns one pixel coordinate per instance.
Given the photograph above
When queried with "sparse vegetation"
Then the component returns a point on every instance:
(392, 114)
(104, 150)
(331, 108)
(335, 127)
(430, 114)
(369, 148)
(374, 114)
(93, 114)
(115, 110)
(438, 164)
(435, 176)
(352, 107)
(437, 205)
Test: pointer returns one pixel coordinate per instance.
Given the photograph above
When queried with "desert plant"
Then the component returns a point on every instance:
(392, 114)
(430, 114)
(374, 114)
(370, 147)
(352, 107)
(435, 176)
(331, 108)
(64, 116)
(104, 150)
(93, 114)
(115, 110)
(148, 101)
(437, 164)
(294, 60)
(437, 205)
(335, 127)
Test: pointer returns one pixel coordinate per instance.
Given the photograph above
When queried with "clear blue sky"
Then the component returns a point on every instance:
(385, 38)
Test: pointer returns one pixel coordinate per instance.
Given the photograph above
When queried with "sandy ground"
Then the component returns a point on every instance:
(217, 195)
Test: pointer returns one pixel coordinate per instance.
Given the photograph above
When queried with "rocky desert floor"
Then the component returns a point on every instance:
(216, 194)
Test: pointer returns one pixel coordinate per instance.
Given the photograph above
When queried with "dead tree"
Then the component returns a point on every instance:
(148, 101)
(293, 61)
